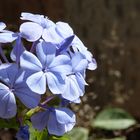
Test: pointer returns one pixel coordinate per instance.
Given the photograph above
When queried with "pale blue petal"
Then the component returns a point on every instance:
(67, 117)
(40, 120)
(22, 91)
(61, 64)
(81, 66)
(7, 31)
(30, 61)
(48, 23)
(54, 127)
(79, 63)
(71, 90)
(8, 73)
(81, 78)
(27, 97)
(55, 83)
(8, 107)
(37, 82)
(32, 17)
(31, 31)
(81, 82)
(40, 19)
(7, 37)
(60, 60)
(77, 43)
(60, 121)
(64, 115)
(45, 52)
(4, 75)
(64, 30)
(62, 70)
(2, 26)
(50, 35)
(92, 65)
(21, 77)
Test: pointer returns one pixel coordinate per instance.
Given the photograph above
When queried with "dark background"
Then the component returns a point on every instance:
(111, 31)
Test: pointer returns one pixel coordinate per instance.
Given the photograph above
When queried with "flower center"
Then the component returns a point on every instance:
(12, 89)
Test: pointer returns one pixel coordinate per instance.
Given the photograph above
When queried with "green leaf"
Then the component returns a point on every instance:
(78, 133)
(113, 119)
(59, 138)
(35, 134)
(9, 123)
(42, 135)
(118, 138)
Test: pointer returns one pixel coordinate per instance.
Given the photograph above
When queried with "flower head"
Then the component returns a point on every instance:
(57, 120)
(56, 63)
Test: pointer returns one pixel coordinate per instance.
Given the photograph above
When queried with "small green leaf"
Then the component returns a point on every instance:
(37, 135)
(113, 119)
(31, 112)
(78, 133)
(59, 138)
(42, 135)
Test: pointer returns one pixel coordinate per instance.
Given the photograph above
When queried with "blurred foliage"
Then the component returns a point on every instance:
(113, 119)
(58, 138)
(119, 138)
(79, 133)
(9, 123)
(35, 134)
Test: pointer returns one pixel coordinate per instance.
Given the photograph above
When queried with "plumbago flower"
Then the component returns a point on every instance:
(57, 120)
(52, 68)
(12, 83)
(75, 82)
(40, 26)
(48, 68)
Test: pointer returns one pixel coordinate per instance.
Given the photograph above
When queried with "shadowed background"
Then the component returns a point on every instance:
(111, 31)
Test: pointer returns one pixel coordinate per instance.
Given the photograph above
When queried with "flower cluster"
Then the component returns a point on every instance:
(47, 61)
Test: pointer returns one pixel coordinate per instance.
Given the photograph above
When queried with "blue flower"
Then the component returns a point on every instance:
(47, 68)
(23, 133)
(57, 120)
(75, 81)
(5, 35)
(78, 46)
(12, 83)
(39, 26)
(57, 63)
